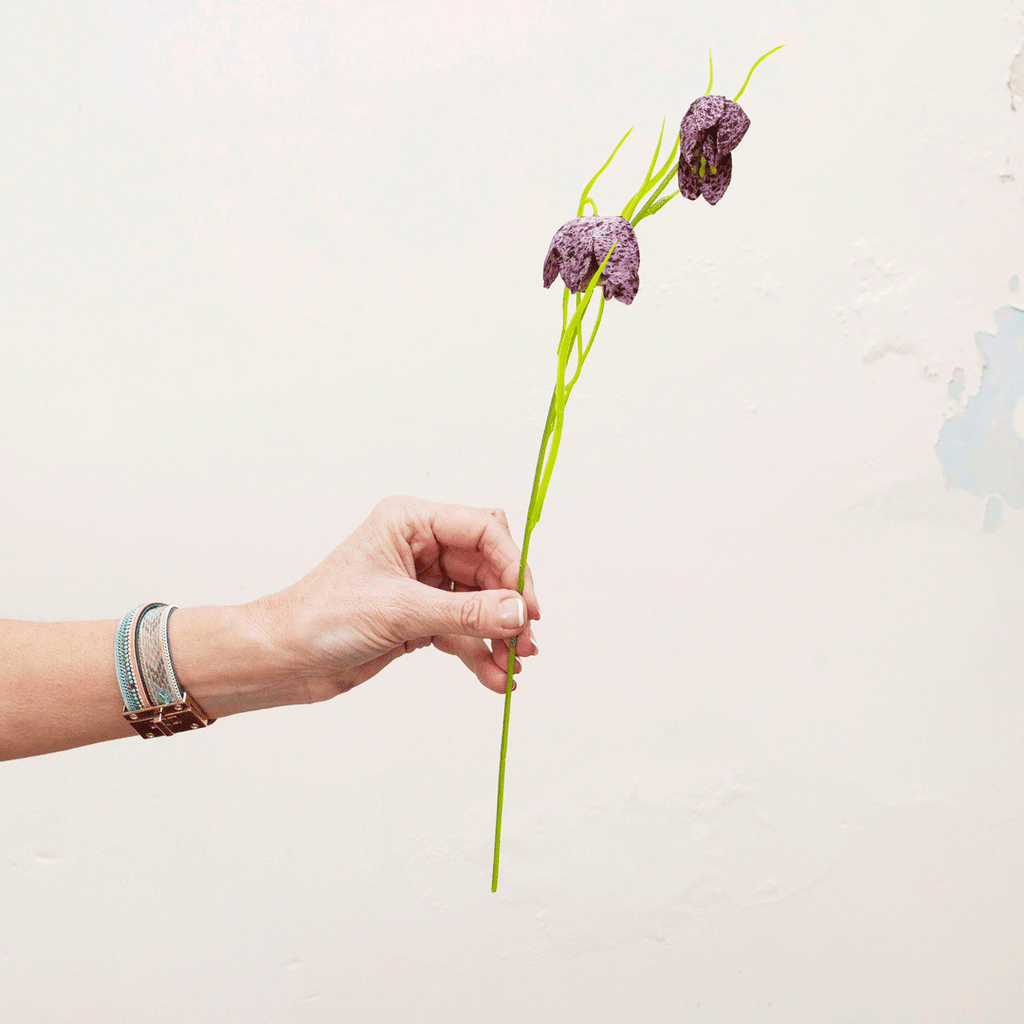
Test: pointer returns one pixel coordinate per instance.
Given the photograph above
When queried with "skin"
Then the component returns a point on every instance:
(415, 573)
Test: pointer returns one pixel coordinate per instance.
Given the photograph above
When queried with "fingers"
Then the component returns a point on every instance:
(471, 546)
(489, 665)
(490, 614)
(435, 547)
(526, 647)
(472, 569)
(477, 549)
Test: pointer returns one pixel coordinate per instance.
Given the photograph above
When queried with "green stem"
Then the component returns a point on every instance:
(583, 354)
(572, 337)
(664, 173)
(532, 516)
(579, 335)
(546, 457)
(654, 204)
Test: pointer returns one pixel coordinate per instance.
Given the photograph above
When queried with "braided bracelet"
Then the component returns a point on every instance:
(154, 702)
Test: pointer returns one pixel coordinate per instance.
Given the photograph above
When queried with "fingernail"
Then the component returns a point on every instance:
(512, 613)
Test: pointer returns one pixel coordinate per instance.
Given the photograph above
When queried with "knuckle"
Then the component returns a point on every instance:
(386, 506)
(471, 614)
(393, 502)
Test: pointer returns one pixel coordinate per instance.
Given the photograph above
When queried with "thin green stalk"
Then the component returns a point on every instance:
(665, 172)
(579, 334)
(583, 354)
(549, 426)
(542, 478)
(652, 207)
(530, 523)
(654, 204)
(571, 336)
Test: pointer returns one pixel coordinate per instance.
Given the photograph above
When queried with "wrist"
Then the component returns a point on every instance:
(228, 661)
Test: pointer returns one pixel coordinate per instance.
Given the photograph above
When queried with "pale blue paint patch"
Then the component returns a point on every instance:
(978, 448)
(1014, 283)
(993, 513)
(956, 384)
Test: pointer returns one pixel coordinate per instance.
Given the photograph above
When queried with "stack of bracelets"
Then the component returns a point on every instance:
(154, 702)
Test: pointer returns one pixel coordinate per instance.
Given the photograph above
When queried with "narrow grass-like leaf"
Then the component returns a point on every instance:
(628, 209)
(751, 71)
(653, 207)
(586, 191)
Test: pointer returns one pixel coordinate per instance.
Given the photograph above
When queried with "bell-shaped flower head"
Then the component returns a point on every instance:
(710, 131)
(580, 246)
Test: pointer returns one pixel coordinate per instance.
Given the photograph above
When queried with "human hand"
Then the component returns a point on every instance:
(414, 573)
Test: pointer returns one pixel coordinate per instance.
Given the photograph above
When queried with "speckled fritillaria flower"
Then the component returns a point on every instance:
(710, 131)
(579, 247)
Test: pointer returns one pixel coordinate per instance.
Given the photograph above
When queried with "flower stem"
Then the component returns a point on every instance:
(583, 351)
(532, 517)
(546, 457)
(655, 181)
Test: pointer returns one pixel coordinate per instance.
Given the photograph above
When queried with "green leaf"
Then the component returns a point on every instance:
(754, 65)
(586, 191)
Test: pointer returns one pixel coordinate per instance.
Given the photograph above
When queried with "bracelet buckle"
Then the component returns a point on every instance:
(167, 719)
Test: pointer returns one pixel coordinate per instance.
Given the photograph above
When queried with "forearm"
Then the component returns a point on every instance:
(415, 573)
(58, 684)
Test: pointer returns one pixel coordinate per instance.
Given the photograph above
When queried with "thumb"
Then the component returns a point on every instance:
(492, 614)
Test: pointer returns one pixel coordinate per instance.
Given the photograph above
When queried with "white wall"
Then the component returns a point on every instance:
(262, 264)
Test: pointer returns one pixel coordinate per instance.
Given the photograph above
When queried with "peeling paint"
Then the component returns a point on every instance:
(1015, 82)
(993, 513)
(979, 448)
(879, 317)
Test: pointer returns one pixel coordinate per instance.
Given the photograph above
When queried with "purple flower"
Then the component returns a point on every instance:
(579, 247)
(710, 131)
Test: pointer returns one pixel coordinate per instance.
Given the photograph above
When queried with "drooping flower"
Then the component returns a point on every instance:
(579, 247)
(710, 131)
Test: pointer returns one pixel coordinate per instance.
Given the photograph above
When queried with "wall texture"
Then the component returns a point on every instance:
(264, 263)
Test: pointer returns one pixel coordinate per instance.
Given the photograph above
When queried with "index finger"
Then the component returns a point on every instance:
(479, 549)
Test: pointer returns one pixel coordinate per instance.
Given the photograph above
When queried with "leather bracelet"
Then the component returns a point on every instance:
(154, 702)
(153, 656)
